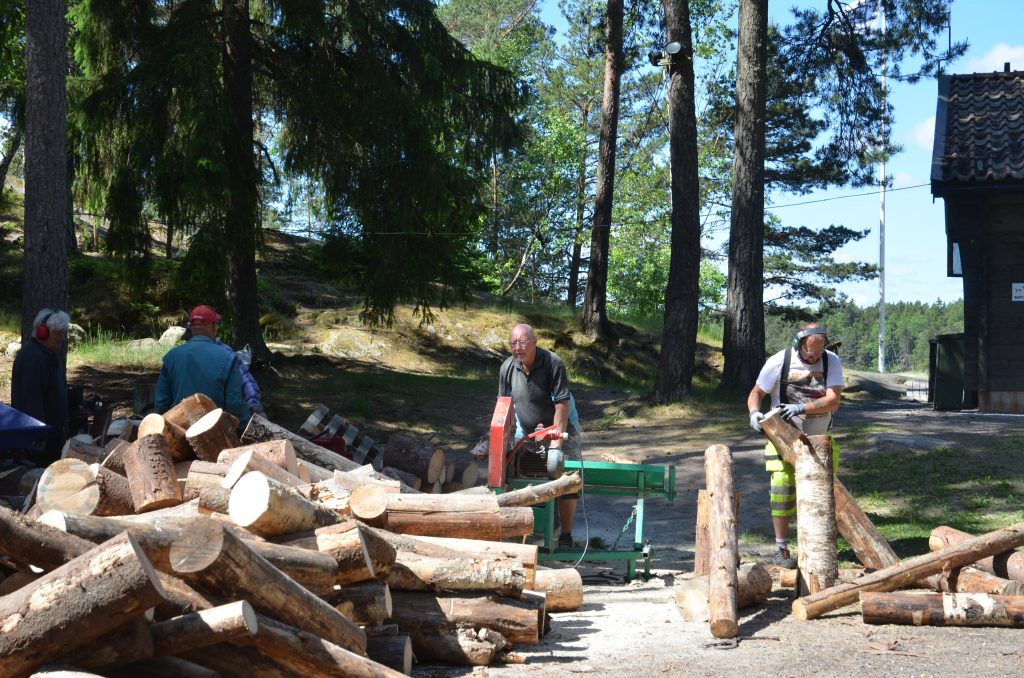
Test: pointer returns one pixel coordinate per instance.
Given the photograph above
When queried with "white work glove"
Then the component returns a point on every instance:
(792, 410)
(755, 420)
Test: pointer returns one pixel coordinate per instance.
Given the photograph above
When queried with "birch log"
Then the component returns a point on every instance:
(815, 510)
(942, 609)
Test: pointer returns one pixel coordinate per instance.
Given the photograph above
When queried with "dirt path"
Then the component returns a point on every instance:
(634, 628)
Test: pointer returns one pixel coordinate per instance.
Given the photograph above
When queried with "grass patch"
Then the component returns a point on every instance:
(909, 492)
(110, 350)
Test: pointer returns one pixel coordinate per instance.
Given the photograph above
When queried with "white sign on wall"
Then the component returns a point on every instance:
(1018, 291)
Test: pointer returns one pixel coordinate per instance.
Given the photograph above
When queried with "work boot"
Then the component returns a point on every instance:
(565, 541)
(783, 559)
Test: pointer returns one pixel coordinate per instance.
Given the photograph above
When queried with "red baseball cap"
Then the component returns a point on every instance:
(203, 315)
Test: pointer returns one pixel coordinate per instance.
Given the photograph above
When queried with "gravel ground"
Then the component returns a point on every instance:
(634, 627)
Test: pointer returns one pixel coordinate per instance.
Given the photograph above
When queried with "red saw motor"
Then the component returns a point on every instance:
(529, 459)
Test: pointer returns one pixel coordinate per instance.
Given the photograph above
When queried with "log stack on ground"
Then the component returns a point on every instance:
(283, 583)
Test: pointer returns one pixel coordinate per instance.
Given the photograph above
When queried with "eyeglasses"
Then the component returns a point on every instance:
(521, 343)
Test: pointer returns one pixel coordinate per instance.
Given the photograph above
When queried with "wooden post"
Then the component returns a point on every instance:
(724, 549)
(151, 475)
(73, 605)
(911, 570)
(1009, 565)
(214, 432)
(224, 563)
(942, 609)
(815, 511)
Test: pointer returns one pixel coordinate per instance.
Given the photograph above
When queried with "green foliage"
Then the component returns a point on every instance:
(117, 351)
(908, 326)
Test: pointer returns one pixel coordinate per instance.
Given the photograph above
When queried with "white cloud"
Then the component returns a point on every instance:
(924, 133)
(994, 59)
(903, 180)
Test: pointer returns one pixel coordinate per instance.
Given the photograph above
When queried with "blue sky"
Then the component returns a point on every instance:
(915, 245)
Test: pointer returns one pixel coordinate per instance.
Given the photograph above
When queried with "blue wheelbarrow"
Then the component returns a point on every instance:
(19, 431)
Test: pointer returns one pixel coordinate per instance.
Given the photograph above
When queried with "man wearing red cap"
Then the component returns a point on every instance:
(200, 365)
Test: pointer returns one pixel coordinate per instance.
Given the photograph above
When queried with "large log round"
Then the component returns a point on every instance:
(419, 457)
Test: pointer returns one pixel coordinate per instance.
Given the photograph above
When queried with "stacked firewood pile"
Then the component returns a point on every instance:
(971, 580)
(193, 552)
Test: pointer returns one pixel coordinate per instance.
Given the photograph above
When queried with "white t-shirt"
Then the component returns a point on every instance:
(806, 383)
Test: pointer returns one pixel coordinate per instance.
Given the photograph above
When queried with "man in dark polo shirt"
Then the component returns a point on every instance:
(536, 381)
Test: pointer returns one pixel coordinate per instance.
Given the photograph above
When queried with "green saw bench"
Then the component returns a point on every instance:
(640, 481)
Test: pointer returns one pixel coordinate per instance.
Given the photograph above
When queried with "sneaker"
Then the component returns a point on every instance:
(783, 559)
(565, 541)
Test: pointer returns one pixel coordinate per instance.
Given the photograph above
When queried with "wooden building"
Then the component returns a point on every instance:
(978, 171)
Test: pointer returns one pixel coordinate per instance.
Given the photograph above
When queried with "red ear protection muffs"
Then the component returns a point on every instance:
(43, 332)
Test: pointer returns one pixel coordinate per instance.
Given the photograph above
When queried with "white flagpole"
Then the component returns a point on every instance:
(881, 220)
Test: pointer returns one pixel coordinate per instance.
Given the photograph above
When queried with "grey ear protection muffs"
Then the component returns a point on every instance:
(809, 332)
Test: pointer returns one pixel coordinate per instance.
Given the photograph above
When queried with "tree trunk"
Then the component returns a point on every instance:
(241, 217)
(225, 564)
(1009, 565)
(47, 190)
(73, 605)
(815, 516)
(942, 609)
(753, 584)
(677, 359)
(573, 292)
(12, 150)
(595, 316)
(702, 536)
(151, 475)
(724, 548)
(911, 570)
(743, 338)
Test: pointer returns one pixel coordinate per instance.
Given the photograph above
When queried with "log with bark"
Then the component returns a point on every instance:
(854, 526)
(563, 586)
(303, 653)
(214, 432)
(421, 458)
(702, 536)
(28, 542)
(410, 479)
(201, 629)
(533, 495)
(1009, 565)
(77, 487)
(214, 500)
(393, 650)
(261, 430)
(248, 461)
(971, 580)
(942, 609)
(156, 424)
(754, 583)
(198, 476)
(218, 560)
(82, 451)
(75, 604)
(466, 472)
(278, 452)
(267, 507)
(517, 620)
(459, 645)
(361, 553)
(190, 410)
(367, 603)
(151, 475)
(443, 515)
(911, 570)
(412, 572)
(818, 561)
(724, 549)
(115, 458)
